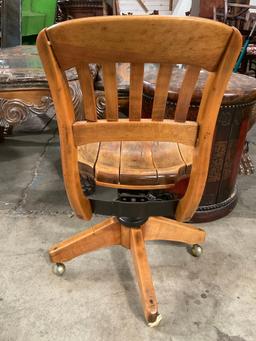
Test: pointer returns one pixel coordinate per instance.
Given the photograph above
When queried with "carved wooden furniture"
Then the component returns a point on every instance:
(24, 90)
(107, 147)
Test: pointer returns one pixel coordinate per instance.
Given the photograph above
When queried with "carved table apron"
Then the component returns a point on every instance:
(24, 90)
(236, 116)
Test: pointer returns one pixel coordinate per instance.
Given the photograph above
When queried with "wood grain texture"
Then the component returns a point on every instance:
(135, 163)
(110, 88)
(124, 34)
(87, 87)
(136, 90)
(108, 162)
(65, 118)
(87, 156)
(143, 272)
(207, 117)
(125, 130)
(160, 228)
(136, 166)
(161, 92)
(169, 164)
(186, 92)
(101, 235)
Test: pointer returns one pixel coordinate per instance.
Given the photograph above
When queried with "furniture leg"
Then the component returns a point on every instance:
(144, 277)
(104, 234)
(160, 228)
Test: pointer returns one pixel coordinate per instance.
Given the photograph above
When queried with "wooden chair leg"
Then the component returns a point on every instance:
(160, 228)
(143, 272)
(104, 234)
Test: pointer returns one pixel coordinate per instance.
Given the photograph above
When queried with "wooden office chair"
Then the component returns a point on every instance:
(134, 179)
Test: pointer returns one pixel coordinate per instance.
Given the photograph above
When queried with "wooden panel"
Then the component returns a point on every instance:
(110, 87)
(136, 90)
(107, 166)
(168, 162)
(87, 157)
(87, 87)
(186, 92)
(161, 92)
(140, 39)
(137, 167)
(125, 130)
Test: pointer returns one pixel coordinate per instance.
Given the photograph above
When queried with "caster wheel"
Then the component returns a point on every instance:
(156, 322)
(58, 269)
(196, 250)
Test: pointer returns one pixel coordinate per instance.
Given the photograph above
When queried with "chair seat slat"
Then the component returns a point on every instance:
(186, 92)
(161, 92)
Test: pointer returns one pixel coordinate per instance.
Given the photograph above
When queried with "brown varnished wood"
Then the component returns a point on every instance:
(108, 162)
(87, 87)
(136, 89)
(136, 166)
(186, 153)
(160, 228)
(135, 187)
(125, 130)
(143, 272)
(124, 35)
(169, 164)
(186, 92)
(87, 157)
(161, 92)
(110, 88)
(106, 233)
(125, 237)
(65, 117)
(207, 117)
(135, 163)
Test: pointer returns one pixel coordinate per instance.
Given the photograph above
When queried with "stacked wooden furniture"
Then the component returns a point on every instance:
(115, 164)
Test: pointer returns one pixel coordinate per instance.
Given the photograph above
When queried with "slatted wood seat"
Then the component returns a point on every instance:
(135, 163)
(151, 151)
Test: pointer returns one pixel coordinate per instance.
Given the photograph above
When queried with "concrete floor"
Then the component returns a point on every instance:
(211, 298)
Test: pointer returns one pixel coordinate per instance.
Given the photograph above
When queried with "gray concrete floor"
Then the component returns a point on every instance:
(211, 298)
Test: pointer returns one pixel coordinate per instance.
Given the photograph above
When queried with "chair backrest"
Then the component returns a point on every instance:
(195, 42)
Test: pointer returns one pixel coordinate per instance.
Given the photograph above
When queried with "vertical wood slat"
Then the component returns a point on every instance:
(161, 92)
(186, 92)
(136, 91)
(86, 83)
(110, 88)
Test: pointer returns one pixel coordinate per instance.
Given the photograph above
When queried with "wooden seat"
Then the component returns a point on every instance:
(135, 163)
(154, 152)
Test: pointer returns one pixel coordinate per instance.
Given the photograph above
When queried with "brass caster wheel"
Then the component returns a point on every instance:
(156, 322)
(58, 269)
(196, 250)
